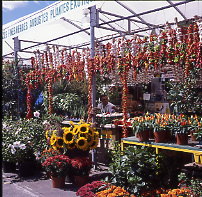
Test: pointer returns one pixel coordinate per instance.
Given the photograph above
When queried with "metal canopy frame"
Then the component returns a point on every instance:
(120, 33)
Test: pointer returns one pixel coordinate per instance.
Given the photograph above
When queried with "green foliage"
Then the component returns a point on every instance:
(195, 184)
(183, 94)
(22, 139)
(10, 87)
(135, 169)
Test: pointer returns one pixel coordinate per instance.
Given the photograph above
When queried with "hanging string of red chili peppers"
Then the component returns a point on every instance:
(181, 48)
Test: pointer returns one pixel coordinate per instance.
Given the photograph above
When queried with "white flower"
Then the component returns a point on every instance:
(45, 122)
(22, 146)
(16, 144)
(61, 100)
(37, 154)
(36, 114)
(13, 149)
(4, 125)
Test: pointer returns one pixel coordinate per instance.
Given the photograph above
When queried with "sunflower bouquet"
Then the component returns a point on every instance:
(81, 136)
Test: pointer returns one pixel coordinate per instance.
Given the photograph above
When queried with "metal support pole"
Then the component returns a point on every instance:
(93, 24)
(16, 50)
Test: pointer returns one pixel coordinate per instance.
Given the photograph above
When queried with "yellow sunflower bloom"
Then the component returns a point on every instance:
(48, 133)
(59, 142)
(55, 147)
(82, 143)
(94, 144)
(90, 130)
(53, 140)
(71, 146)
(83, 128)
(68, 137)
(75, 129)
(89, 139)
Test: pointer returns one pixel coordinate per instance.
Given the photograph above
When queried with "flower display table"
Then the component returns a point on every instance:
(166, 146)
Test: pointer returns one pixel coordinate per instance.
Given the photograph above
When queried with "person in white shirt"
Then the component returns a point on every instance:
(105, 106)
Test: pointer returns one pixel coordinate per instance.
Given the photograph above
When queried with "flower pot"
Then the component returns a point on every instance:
(193, 137)
(182, 138)
(58, 182)
(161, 136)
(143, 136)
(197, 158)
(81, 180)
(9, 167)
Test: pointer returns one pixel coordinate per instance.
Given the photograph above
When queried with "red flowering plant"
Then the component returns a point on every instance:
(57, 166)
(48, 153)
(81, 165)
(90, 189)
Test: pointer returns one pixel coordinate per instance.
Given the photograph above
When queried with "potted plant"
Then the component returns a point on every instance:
(141, 126)
(161, 125)
(80, 169)
(181, 129)
(8, 137)
(195, 127)
(58, 167)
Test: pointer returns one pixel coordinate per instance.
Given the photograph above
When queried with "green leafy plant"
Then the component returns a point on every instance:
(68, 104)
(183, 94)
(193, 183)
(23, 139)
(135, 169)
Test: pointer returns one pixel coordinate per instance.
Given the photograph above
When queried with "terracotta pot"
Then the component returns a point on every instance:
(193, 137)
(79, 181)
(58, 182)
(161, 136)
(182, 138)
(9, 167)
(151, 134)
(143, 136)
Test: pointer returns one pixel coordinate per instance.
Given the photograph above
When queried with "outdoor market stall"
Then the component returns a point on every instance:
(141, 52)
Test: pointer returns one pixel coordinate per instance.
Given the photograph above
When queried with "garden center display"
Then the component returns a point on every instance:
(150, 143)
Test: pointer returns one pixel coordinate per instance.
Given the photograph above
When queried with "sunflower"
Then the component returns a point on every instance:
(95, 135)
(68, 137)
(49, 133)
(71, 146)
(94, 143)
(83, 128)
(75, 129)
(53, 140)
(85, 135)
(90, 139)
(59, 142)
(82, 143)
(90, 131)
(54, 147)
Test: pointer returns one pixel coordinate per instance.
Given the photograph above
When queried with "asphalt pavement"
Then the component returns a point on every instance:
(41, 186)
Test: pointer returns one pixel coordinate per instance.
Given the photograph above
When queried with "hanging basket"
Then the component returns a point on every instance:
(182, 138)
(58, 182)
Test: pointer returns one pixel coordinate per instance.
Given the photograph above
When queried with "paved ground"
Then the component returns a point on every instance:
(40, 186)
